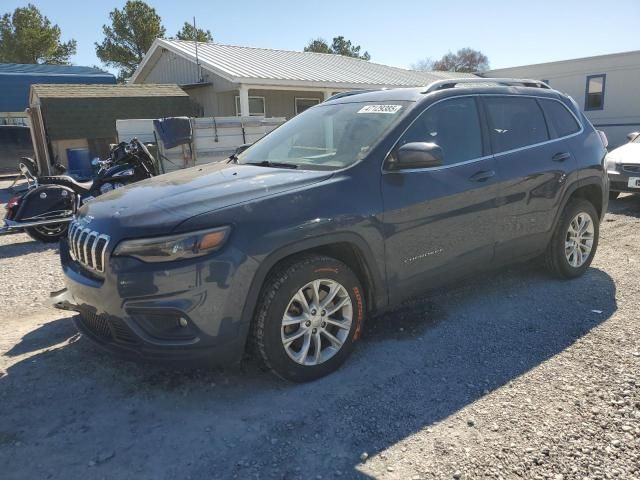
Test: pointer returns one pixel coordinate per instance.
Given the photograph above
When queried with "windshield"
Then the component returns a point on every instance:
(326, 137)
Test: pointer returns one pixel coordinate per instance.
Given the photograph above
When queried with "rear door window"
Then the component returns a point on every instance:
(561, 122)
(515, 122)
(453, 125)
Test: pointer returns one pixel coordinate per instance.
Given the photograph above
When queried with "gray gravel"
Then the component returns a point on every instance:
(509, 375)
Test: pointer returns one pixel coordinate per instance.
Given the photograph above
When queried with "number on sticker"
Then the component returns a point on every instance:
(380, 109)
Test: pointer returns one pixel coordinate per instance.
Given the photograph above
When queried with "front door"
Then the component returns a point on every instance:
(440, 222)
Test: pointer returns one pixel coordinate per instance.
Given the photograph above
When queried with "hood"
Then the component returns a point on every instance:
(629, 153)
(157, 205)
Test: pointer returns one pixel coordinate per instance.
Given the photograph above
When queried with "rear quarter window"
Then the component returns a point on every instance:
(561, 122)
(515, 122)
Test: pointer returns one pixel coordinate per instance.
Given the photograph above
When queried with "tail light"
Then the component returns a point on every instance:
(13, 202)
(603, 138)
(11, 206)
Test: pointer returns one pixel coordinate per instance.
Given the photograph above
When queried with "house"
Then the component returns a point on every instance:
(16, 80)
(66, 117)
(607, 88)
(227, 80)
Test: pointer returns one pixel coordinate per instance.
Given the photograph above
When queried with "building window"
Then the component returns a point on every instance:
(304, 103)
(256, 106)
(594, 96)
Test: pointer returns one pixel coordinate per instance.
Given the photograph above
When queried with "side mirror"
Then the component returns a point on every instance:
(632, 136)
(416, 155)
(242, 148)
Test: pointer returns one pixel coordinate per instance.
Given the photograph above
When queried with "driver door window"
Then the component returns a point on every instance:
(453, 125)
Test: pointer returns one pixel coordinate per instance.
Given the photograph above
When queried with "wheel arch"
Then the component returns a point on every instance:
(349, 248)
(590, 189)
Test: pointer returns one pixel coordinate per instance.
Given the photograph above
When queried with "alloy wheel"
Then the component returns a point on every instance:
(579, 239)
(317, 322)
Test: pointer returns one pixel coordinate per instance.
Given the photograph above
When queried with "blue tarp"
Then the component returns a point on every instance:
(16, 80)
(173, 131)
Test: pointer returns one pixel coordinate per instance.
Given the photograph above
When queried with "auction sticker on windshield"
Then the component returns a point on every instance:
(380, 109)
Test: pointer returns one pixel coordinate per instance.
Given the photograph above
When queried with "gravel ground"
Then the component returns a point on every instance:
(509, 375)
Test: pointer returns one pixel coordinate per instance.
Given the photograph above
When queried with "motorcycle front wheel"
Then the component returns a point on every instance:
(48, 233)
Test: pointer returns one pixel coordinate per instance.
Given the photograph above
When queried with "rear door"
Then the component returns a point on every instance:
(534, 162)
(440, 221)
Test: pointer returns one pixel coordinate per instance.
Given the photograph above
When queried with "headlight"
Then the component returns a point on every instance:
(611, 163)
(174, 247)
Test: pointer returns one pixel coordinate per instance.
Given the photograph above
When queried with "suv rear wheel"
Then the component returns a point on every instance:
(309, 315)
(575, 240)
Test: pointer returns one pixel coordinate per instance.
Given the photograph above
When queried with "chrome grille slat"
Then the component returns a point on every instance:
(88, 247)
(77, 232)
(85, 246)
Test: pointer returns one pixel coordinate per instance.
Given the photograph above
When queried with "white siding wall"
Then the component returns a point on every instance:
(621, 113)
(170, 68)
(217, 96)
(167, 67)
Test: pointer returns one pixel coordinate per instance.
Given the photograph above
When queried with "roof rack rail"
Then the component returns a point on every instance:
(353, 92)
(507, 82)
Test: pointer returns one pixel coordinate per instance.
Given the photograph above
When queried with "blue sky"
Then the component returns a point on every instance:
(396, 32)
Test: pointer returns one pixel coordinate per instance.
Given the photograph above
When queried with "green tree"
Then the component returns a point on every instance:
(342, 46)
(26, 36)
(132, 31)
(188, 32)
(318, 45)
(339, 46)
(464, 60)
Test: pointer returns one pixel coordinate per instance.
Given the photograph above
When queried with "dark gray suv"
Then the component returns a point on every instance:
(344, 211)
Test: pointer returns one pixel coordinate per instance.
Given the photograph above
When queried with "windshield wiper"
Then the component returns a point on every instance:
(268, 163)
(233, 158)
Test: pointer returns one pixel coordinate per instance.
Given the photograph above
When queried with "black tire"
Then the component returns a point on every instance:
(50, 234)
(613, 195)
(279, 289)
(555, 257)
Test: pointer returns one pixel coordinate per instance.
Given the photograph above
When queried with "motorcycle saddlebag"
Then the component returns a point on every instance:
(44, 202)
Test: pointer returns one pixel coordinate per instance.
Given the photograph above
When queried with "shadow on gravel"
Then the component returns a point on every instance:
(47, 335)
(78, 413)
(18, 249)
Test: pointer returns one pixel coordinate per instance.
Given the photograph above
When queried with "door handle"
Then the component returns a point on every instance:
(561, 157)
(482, 176)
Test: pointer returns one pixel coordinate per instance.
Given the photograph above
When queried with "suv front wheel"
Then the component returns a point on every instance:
(309, 315)
(575, 240)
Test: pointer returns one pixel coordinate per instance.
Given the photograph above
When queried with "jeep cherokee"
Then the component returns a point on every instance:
(346, 210)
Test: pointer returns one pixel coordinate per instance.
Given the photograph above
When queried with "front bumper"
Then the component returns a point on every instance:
(619, 181)
(188, 311)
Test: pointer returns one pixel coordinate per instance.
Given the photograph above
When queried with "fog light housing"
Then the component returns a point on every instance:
(166, 325)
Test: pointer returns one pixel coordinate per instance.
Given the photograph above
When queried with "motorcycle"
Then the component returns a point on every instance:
(46, 208)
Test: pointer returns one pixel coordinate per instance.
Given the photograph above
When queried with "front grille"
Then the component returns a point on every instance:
(97, 324)
(631, 168)
(107, 328)
(88, 247)
(121, 332)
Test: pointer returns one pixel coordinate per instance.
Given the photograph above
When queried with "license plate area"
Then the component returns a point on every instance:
(634, 182)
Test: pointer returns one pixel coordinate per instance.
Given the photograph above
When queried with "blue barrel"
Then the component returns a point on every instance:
(79, 163)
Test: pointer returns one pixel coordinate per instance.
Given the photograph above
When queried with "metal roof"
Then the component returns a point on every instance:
(106, 91)
(39, 70)
(262, 66)
(16, 80)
